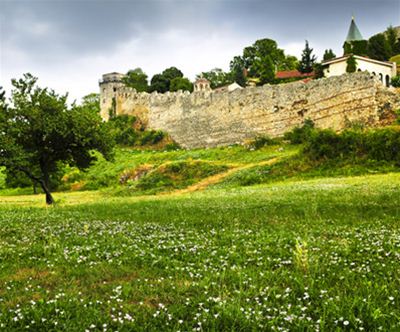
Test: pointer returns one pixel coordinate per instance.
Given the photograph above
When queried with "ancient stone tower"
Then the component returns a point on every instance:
(109, 87)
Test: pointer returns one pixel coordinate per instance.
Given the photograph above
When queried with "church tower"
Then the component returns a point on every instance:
(354, 43)
(354, 33)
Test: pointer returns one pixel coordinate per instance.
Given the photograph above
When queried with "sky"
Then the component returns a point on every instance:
(69, 44)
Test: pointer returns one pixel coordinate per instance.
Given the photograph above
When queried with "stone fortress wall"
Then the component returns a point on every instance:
(207, 118)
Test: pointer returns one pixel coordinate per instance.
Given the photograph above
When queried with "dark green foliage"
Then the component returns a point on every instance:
(378, 145)
(136, 79)
(261, 60)
(299, 135)
(318, 70)
(181, 83)
(238, 69)
(347, 48)
(351, 64)
(360, 47)
(39, 134)
(379, 48)
(217, 77)
(171, 73)
(151, 137)
(307, 60)
(266, 70)
(396, 81)
(162, 82)
(112, 112)
(159, 83)
(91, 102)
(393, 40)
(356, 47)
(290, 62)
(328, 55)
(122, 129)
(261, 141)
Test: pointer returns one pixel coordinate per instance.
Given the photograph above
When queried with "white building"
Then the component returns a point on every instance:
(384, 70)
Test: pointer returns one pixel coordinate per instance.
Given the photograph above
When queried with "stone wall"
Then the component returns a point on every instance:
(206, 119)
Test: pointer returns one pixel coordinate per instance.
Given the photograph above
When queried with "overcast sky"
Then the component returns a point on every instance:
(70, 44)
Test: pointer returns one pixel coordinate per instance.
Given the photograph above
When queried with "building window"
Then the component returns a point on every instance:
(115, 89)
(387, 79)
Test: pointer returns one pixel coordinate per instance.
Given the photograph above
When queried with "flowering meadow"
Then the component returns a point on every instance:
(316, 255)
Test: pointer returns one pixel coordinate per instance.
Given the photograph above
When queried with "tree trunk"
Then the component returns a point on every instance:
(49, 197)
(45, 186)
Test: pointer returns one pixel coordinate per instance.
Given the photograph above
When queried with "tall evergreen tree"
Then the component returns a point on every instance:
(393, 40)
(378, 47)
(307, 60)
(328, 55)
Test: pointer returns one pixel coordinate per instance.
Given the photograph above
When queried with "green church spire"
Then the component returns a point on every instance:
(354, 33)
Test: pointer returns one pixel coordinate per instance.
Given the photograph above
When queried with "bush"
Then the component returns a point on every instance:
(379, 145)
(152, 137)
(396, 81)
(299, 135)
(261, 141)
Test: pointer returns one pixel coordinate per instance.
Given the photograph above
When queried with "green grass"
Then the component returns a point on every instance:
(320, 254)
(299, 167)
(105, 174)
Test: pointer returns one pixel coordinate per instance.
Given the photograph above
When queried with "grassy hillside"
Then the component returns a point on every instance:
(320, 255)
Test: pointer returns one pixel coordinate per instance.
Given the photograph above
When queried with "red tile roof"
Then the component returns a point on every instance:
(292, 74)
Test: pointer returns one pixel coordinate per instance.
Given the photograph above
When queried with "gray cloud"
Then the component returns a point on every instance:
(66, 42)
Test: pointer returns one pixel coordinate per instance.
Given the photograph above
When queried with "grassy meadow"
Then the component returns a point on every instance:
(269, 243)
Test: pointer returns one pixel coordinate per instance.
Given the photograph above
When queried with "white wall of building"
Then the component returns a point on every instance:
(383, 70)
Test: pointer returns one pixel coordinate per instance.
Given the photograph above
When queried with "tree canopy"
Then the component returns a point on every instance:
(261, 60)
(39, 133)
(181, 83)
(328, 55)
(136, 79)
(217, 77)
(307, 60)
(162, 82)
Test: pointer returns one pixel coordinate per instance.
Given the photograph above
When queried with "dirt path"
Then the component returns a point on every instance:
(203, 184)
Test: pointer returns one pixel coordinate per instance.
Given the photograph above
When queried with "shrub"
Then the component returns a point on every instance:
(379, 145)
(299, 135)
(261, 141)
(152, 137)
(396, 81)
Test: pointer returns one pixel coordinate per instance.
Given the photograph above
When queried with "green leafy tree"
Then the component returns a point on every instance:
(136, 79)
(162, 82)
(217, 77)
(359, 47)
(171, 73)
(266, 70)
(181, 83)
(378, 47)
(393, 40)
(92, 102)
(159, 83)
(307, 60)
(319, 70)
(289, 63)
(39, 134)
(328, 55)
(351, 64)
(238, 69)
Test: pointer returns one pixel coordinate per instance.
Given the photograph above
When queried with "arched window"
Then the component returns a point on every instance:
(381, 77)
(373, 73)
(387, 79)
(358, 69)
